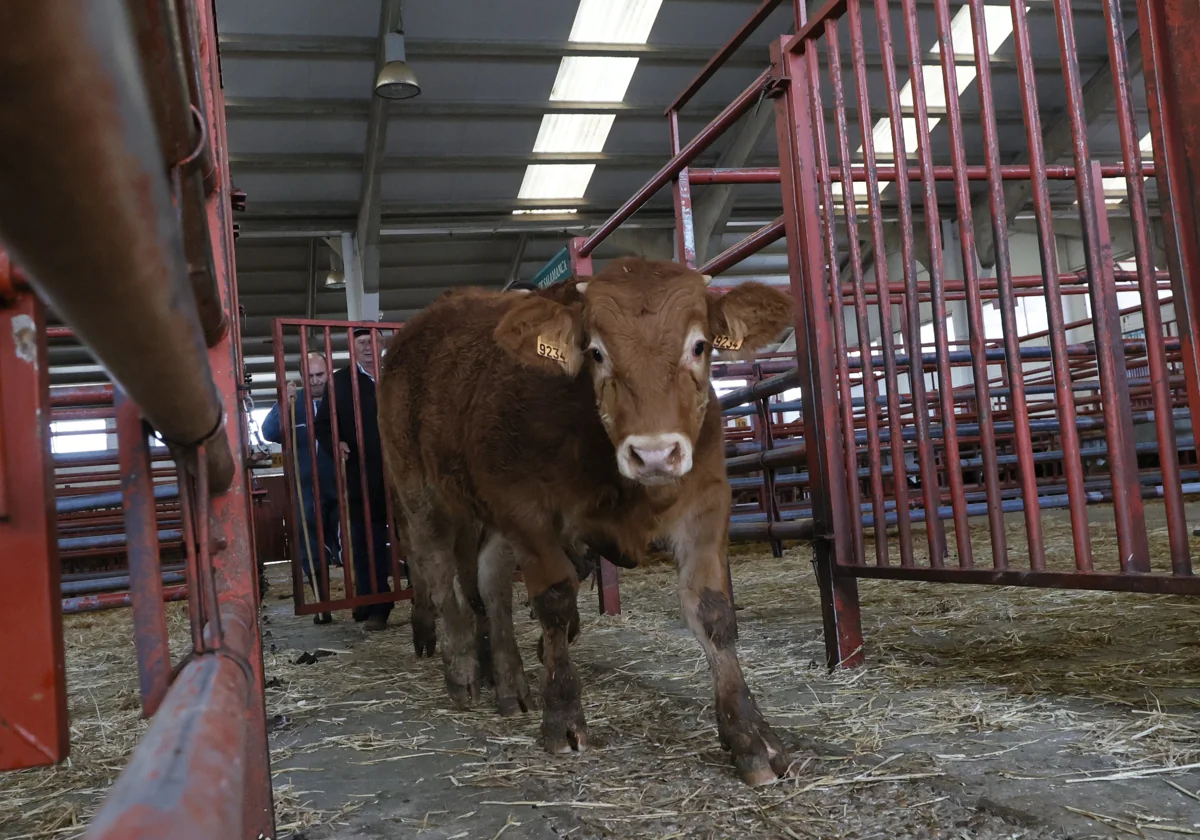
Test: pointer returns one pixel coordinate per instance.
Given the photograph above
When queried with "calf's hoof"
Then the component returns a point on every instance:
(463, 695)
(759, 756)
(424, 638)
(514, 698)
(564, 731)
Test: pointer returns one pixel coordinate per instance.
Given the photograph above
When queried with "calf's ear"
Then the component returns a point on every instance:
(541, 334)
(747, 318)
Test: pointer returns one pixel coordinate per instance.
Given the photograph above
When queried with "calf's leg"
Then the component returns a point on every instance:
(433, 551)
(466, 550)
(424, 614)
(699, 543)
(497, 562)
(552, 585)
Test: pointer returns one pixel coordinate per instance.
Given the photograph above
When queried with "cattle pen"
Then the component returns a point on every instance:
(963, 485)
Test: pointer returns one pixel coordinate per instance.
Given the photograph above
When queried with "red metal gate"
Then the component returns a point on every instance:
(905, 424)
(139, 177)
(334, 345)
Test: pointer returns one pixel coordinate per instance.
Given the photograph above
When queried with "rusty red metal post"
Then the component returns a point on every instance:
(815, 352)
(34, 732)
(608, 577)
(685, 236)
(1170, 31)
(145, 575)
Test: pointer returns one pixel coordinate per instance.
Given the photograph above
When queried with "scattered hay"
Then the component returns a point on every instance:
(983, 669)
(104, 710)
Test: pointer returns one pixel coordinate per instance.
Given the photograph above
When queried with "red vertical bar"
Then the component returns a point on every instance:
(1064, 396)
(884, 303)
(214, 631)
(1132, 542)
(389, 509)
(912, 307)
(608, 579)
(685, 234)
(234, 563)
(311, 419)
(977, 336)
(933, 226)
(356, 402)
(837, 311)
(145, 575)
(609, 588)
(862, 319)
(1013, 369)
(814, 354)
(340, 468)
(1176, 207)
(188, 528)
(295, 501)
(31, 658)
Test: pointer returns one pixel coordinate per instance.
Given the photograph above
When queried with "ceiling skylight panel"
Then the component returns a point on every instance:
(573, 132)
(556, 180)
(614, 21)
(585, 78)
(997, 20)
(883, 136)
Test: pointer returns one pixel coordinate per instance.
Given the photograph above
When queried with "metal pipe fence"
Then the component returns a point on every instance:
(327, 505)
(154, 238)
(922, 410)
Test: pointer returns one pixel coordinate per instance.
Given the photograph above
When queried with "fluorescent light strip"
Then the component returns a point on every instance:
(587, 79)
(573, 133)
(546, 211)
(556, 180)
(614, 21)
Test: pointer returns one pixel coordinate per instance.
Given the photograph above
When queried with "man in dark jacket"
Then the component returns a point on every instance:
(272, 429)
(370, 460)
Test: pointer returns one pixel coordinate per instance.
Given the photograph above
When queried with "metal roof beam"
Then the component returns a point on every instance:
(287, 108)
(362, 289)
(714, 205)
(324, 162)
(310, 48)
(261, 45)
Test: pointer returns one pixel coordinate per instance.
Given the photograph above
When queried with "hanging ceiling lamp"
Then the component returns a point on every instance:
(396, 80)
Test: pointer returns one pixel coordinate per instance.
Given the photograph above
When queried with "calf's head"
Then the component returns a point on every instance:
(644, 333)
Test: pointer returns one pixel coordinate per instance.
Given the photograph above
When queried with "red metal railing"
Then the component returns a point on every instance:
(905, 425)
(153, 235)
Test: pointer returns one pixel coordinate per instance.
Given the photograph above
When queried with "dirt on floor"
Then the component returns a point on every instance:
(982, 712)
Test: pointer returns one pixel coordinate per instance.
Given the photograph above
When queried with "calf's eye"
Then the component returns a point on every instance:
(698, 349)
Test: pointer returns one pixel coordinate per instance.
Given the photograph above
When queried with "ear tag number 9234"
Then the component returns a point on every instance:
(550, 351)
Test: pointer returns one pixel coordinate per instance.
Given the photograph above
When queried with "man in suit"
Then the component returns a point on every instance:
(370, 460)
(297, 400)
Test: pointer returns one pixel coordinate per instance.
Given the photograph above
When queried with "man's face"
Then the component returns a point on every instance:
(317, 376)
(363, 354)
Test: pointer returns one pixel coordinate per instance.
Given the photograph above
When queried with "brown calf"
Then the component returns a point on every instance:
(584, 412)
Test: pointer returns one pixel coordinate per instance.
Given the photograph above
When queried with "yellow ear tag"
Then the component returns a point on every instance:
(550, 351)
(726, 342)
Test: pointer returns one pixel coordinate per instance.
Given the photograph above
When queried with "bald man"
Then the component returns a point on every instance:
(318, 377)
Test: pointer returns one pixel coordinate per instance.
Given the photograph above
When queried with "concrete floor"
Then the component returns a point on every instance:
(987, 706)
